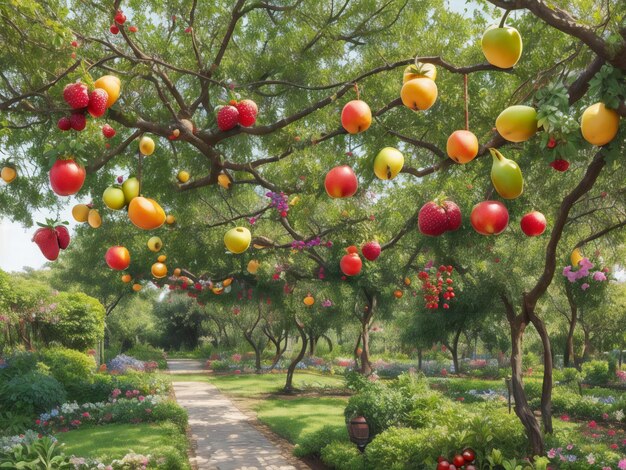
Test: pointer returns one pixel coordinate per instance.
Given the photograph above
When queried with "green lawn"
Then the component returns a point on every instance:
(113, 441)
(249, 385)
(293, 418)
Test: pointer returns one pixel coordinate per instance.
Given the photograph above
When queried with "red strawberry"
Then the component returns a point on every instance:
(114, 29)
(247, 112)
(74, 44)
(98, 102)
(108, 131)
(371, 250)
(435, 219)
(120, 18)
(133, 29)
(551, 143)
(560, 164)
(63, 235)
(227, 118)
(46, 240)
(76, 95)
(64, 124)
(78, 121)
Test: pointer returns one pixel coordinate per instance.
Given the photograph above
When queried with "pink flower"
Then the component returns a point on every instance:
(610, 433)
(444, 372)
(564, 418)
(599, 276)
(551, 453)
(585, 286)
(595, 436)
(570, 446)
(592, 425)
(141, 398)
(605, 416)
(37, 422)
(85, 415)
(622, 464)
(614, 446)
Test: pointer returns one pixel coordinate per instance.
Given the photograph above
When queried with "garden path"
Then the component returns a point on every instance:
(222, 437)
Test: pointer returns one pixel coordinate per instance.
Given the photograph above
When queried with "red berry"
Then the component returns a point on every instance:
(98, 102)
(458, 460)
(114, 29)
(247, 112)
(120, 18)
(48, 242)
(551, 143)
(188, 29)
(227, 118)
(78, 121)
(283, 214)
(108, 131)
(64, 124)
(371, 250)
(469, 455)
(74, 43)
(603, 194)
(434, 219)
(73, 55)
(63, 236)
(76, 95)
(133, 29)
(560, 164)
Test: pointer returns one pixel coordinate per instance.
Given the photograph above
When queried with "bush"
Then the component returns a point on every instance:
(146, 352)
(169, 410)
(69, 366)
(123, 363)
(596, 372)
(97, 389)
(33, 392)
(220, 366)
(147, 384)
(313, 442)
(343, 456)
(19, 363)
(81, 321)
(381, 406)
(532, 389)
(400, 448)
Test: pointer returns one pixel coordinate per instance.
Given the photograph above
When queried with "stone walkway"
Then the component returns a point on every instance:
(222, 437)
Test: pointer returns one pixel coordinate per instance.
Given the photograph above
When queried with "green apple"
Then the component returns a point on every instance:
(502, 46)
(237, 240)
(131, 189)
(113, 198)
(388, 163)
(155, 244)
(517, 123)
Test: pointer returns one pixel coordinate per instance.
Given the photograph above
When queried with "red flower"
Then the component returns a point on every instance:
(592, 425)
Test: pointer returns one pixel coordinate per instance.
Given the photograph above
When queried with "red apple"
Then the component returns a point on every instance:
(469, 455)
(356, 116)
(371, 250)
(443, 465)
(489, 217)
(458, 460)
(351, 263)
(117, 257)
(341, 182)
(533, 224)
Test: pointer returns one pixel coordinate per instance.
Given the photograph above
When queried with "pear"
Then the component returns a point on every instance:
(506, 176)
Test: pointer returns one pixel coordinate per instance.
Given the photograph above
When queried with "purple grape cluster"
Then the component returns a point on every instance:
(279, 201)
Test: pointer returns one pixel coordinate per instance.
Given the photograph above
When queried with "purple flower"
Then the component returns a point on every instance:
(585, 264)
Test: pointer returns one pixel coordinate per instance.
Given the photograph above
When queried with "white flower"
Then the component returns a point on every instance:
(619, 415)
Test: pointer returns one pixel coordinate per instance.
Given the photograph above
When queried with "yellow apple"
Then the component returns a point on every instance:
(237, 240)
(8, 174)
(155, 244)
(146, 145)
(502, 46)
(183, 176)
(388, 163)
(517, 123)
(599, 124)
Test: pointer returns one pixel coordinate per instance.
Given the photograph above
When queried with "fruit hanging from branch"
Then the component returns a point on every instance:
(462, 146)
(253, 266)
(517, 123)
(145, 213)
(130, 187)
(371, 250)
(227, 118)
(351, 263)
(356, 116)
(155, 244)
(388, 163)
(248, 111)
(98, 100)
(146, 145)
(51, 237)
(437, 286)
(159, 270)
(533, 224)
(113, 197)
(599, 125)
(66, 177)
(341, 182)
(93, 218)
(506, 176)
(112, 85)
(117, 257)
(489, 217)
(183, 176)
(419, 70)
(502, 45)
(419, 94)
(237, 240)
(8, 174)
(436, 218)
(309, 300)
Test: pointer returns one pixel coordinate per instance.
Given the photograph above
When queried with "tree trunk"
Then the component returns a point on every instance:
(546, 389)
(292, 367)
(419, 359)
(522, 409)
(312, 344)
(366, 365)
(257, 351)
(586, 345)
(356, 352)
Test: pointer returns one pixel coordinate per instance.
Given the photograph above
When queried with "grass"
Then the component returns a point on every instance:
(294, 418)
(113, 441)
(251, 385)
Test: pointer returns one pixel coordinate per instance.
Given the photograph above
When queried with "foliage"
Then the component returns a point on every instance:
(69, 366)
(31, 392)
(313, 442)
(596, 372)
(44, 453)
(342, 456)
(381, 406)
(146, 352)
(80, 321)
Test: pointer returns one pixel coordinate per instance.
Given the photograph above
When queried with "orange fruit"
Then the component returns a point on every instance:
(137, 287)
(419, 70)
(145, 213)
(177, 272)
(309, 300)
(111, 84)
(419, 94)
(159, 270)
(161, 258)
(126, 278)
